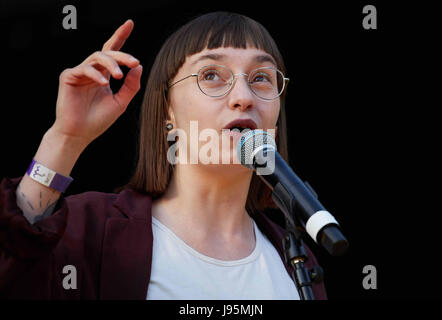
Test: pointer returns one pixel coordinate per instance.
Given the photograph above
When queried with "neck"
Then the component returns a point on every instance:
(208, 201)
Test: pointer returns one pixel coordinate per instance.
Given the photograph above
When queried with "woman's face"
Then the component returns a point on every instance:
(188, 104)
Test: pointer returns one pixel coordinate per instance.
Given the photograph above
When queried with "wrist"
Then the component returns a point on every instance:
(48, 177)
(68, 141)
(59, 152)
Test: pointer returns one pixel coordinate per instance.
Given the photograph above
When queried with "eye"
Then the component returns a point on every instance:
(262, 77)
(210, 75)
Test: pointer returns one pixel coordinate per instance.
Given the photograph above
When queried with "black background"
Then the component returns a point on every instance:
(353, 116)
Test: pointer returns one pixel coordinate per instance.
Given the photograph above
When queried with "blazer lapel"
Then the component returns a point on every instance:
(127, 249)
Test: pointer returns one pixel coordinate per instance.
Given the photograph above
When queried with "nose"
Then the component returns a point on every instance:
(241, 96)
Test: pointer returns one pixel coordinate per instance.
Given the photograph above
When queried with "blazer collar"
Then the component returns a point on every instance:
(134, 204)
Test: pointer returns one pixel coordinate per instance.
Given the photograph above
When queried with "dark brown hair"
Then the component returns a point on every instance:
(213, 30)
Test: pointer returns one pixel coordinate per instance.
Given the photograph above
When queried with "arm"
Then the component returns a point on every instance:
(86, 107)
(58, 153)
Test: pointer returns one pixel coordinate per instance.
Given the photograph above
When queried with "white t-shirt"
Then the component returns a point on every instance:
(180, 272)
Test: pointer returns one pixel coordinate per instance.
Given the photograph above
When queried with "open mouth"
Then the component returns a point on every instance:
(241, 124)
(239, 128)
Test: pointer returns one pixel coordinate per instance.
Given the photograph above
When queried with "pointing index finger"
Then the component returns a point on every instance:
(119, 37)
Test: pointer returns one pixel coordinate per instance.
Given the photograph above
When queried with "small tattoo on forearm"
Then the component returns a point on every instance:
(29, 204)
(46, 213)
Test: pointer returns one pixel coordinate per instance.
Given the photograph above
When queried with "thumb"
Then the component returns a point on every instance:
(130, 86)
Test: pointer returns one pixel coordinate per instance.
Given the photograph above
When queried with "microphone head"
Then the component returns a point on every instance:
(251, 143)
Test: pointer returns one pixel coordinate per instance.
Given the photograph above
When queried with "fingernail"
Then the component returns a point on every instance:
(118, 70)
(132, 59)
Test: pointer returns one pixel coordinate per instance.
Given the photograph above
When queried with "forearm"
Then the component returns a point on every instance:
(58, 153)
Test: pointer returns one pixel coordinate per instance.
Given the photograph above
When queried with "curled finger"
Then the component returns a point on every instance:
(106, 62)
(123, 58)
(90, 72)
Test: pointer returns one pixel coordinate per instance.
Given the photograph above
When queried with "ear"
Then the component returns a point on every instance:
(171, 117)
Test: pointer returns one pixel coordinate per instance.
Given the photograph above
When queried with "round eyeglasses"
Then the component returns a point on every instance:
(216, 81)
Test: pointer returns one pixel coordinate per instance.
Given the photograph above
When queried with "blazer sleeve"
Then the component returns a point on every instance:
(26, 249)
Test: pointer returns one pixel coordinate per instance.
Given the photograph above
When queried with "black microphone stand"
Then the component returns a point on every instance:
(295, 253)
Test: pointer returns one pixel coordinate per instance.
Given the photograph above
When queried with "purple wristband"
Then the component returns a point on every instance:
(48, 177)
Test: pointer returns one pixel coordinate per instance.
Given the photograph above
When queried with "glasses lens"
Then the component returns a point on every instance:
(215, 80)
(267, 83)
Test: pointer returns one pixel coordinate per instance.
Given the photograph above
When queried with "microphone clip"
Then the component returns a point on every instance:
(296, 255)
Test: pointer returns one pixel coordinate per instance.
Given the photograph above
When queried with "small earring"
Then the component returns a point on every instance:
(169, 126)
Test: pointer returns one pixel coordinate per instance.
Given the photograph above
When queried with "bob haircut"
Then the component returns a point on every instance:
(213, 30)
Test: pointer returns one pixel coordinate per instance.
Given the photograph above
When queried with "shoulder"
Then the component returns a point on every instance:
(90, 200)
(128, 203)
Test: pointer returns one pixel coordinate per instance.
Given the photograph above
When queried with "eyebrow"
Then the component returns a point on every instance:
(261, 58)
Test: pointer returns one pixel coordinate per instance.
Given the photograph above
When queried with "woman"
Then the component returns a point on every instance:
(175, 231)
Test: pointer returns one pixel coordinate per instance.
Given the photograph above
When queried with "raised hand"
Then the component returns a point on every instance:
(86, 106)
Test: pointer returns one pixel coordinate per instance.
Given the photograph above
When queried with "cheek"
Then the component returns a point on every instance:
(191, 106)
(270, 116)
(182, 104)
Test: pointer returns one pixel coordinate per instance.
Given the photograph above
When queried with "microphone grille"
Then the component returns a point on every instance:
(249, 142)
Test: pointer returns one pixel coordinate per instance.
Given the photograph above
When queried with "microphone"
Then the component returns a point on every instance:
(256, 150)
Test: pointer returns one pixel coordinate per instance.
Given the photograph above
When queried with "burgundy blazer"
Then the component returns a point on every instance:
(106, 236)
